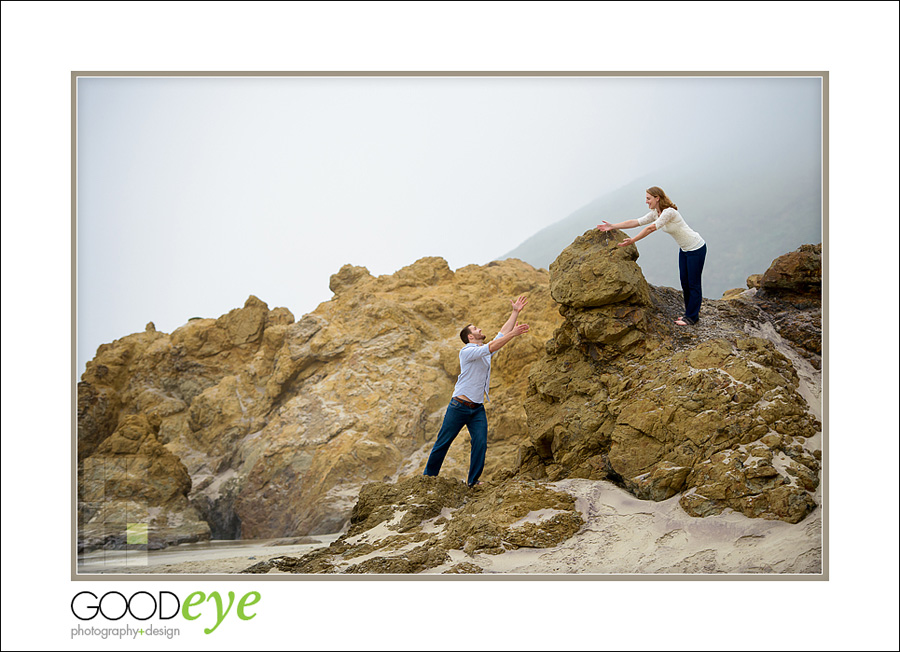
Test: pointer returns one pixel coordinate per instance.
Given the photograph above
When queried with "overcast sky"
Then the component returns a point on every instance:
(194, 193)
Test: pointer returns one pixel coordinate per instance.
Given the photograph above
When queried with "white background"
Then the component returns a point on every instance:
(857, 44)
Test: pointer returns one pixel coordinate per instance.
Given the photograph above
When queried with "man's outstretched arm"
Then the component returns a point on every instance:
(518, 306)
(500, 342)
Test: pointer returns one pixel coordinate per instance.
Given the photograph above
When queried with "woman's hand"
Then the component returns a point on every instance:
(606, 226)
(626, 242)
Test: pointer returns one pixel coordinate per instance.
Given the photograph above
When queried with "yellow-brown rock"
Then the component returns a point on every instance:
(279, 423)
(365, 380)
(254, 425)
(593, 271)
(797, 272)
(132, 482)
(411, 525)
(791, 293)
(623, 394)
(723, 414)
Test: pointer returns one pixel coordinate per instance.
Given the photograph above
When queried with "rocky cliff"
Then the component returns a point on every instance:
(722, 418)
(722, 413)
(254, 425)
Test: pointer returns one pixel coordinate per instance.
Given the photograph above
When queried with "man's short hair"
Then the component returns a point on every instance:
(464, 334)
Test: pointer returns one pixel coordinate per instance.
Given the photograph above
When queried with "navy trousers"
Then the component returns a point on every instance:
(457, 416)
(690, 264)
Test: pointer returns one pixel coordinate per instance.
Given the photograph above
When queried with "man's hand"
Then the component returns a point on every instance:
(519, 304)
(514, 331)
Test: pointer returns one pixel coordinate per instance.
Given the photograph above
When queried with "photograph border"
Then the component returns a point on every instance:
(143, 577)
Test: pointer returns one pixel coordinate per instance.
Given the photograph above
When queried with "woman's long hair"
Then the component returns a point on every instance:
(664, 201)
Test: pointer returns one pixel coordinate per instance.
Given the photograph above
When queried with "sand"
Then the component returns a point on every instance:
(215, 557)
(622, 536)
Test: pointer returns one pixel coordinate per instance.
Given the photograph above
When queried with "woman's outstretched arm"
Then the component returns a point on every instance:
(643, 234)
(629, 224)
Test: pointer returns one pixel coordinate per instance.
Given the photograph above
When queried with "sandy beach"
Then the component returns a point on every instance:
(626, 536)
(214, 557)
(622, 536)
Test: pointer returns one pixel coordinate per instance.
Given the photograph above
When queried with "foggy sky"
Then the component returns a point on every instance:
(194, 193)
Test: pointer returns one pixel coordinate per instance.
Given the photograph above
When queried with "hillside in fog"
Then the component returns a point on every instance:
(748, 210)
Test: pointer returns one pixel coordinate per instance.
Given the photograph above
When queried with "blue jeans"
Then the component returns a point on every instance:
(457, 416)
(690, 264)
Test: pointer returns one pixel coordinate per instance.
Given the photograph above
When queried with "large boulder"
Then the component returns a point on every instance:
(797, 272)
(594, 271)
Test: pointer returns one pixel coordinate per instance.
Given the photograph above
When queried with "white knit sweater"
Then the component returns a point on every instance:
(672, 223)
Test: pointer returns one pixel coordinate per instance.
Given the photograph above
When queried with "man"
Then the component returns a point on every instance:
(466, 407)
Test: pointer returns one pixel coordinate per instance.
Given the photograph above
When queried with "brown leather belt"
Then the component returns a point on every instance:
(467, 403)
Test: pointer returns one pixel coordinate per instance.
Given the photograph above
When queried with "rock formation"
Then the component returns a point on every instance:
(267, 427)
(254, 425)
(715, 412)
(791, 293)
(132, 486)
(423, 522)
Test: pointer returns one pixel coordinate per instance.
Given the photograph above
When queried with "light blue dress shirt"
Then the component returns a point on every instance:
(474, 372)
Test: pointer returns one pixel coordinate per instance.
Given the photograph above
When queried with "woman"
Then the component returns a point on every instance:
(664, 216)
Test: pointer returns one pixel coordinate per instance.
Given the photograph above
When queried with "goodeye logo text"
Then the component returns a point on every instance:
(165, 605)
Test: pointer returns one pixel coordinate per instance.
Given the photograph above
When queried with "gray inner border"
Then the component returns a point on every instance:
(75, 75)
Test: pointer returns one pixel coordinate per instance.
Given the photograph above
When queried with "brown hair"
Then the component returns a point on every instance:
(464, 334)
(664, 201)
